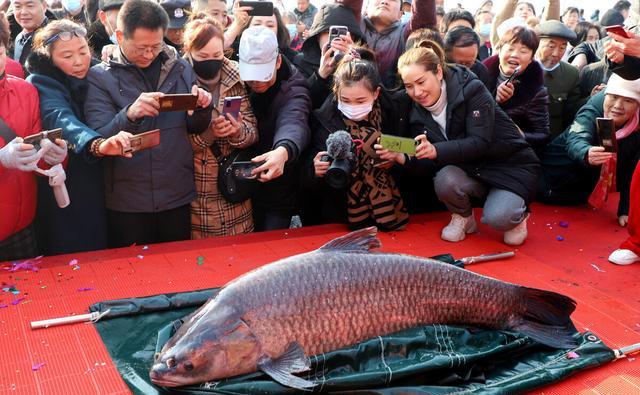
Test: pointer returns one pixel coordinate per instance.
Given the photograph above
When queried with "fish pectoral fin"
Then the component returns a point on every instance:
(292, 361)
(361, 241)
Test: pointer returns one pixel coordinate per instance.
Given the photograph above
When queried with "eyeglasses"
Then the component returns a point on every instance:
(66, 35)
(155, 50)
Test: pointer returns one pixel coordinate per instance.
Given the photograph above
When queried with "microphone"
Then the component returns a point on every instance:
(339, 150)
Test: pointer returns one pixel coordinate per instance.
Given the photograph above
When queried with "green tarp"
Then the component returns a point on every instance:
(434, 359)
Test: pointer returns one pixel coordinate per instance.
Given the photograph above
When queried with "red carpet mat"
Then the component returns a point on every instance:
(72, 360)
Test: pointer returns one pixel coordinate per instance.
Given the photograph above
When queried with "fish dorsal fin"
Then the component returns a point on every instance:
(362, 240)
(292, 361)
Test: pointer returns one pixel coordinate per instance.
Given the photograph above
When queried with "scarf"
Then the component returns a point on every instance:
(373, 196)
(607, 181)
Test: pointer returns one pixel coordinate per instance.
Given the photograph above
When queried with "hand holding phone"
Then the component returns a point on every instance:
(619, 30)
(243, 169)
(231, 106)
(398, 144)
(142, 141)
(178, 102)
(35, 139)
(335, 32)
(606, 134)
(258, 8)
(513, 75)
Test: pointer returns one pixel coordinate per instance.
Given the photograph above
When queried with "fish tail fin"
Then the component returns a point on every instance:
(362, 241)
(546, 318)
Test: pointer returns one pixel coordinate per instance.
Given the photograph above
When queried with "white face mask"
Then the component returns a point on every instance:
(355, 112)
(71, 5)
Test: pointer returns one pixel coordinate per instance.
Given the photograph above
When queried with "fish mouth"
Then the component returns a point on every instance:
(165, 382)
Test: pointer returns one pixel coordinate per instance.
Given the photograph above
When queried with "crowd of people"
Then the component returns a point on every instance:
(503, 107)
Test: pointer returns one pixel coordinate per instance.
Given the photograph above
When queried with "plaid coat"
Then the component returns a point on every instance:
(211, 214)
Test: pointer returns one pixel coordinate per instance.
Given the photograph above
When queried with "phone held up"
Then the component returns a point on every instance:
(143, 141)
(242, 169)
(513, 75)
(398, 144)
(606, 134)
(259, 8)
(35, 139)
(336, 31)
(178, 102)
(231, 106)
(619, 30)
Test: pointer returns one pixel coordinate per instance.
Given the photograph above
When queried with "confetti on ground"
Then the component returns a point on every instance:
(140, 256)
(3, 306)
(29, 264)
(597, 268)
(573, 355)
(559, 238)
(563, 224)
(38, 366)
(200, 260)
(76, 267)
(73, 262)
(84, 289)
(16, 301)
(145, 247)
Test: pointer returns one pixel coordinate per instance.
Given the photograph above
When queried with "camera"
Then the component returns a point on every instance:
(337, 175)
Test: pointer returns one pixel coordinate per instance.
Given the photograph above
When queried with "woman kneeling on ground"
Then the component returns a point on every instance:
(475, 150)
(572, 163)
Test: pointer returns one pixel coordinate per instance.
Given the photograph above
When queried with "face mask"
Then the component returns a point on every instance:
(292, 30)
(355, 112)
(405, 17)
(71, 5)
(485, 29)
(207, 69)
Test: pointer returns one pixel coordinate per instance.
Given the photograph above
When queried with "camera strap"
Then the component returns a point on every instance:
(6, 132)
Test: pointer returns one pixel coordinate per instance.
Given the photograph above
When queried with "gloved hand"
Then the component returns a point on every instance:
(17, 155)
(54, 153)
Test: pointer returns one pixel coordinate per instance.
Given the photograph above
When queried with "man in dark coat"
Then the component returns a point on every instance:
(561, 79)
(461, 45)
(102, 31)
(148, 196)
(280, 100)
(28, 16)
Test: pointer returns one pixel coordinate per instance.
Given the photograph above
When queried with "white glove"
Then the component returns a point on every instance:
(57, 176)
(53, 153)
(14, 156)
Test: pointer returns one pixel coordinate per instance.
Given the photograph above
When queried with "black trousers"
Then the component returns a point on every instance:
(126, 229)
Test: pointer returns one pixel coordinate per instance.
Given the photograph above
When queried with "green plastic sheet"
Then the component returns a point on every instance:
(433, 359)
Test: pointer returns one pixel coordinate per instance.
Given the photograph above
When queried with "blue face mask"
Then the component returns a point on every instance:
(485, 29)
(291, 27)
(71, 5)
(405, 17)
(112, 37)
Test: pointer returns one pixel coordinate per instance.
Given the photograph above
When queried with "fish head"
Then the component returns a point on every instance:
(207, 351)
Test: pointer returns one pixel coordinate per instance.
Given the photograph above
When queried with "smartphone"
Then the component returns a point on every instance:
(178, 102)
(336, 31)
(242, 169)
(143, 141)
(398, 144)
(619, 30)
(231, 106)
(260, 8)
(606, 134)
(514, 75)
(35, 139)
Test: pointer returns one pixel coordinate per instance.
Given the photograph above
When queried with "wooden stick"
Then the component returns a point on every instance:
(487, 257)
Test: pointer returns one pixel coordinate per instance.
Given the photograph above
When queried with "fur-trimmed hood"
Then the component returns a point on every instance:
(527, 84)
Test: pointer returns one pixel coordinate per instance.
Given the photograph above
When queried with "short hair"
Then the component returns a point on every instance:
(622, 5)
(200, 30)
(570, 10)
(424, 34)
(530, 5)
(145, 14)
(582, 31)
(522, 35)
(351, 72)
(440, 11)
(5, 33)
(457, 14)
(52, 28)
(461, 37)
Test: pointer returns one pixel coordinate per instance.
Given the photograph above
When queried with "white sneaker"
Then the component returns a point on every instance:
(459, 227)
(623, 257)
(517, 235)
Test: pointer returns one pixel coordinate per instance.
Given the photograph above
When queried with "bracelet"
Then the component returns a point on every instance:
(245, 134)
(94, 148)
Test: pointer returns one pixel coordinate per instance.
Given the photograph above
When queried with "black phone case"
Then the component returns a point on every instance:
(260, 8)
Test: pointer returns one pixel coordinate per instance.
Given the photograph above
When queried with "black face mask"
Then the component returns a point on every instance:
(207, 69)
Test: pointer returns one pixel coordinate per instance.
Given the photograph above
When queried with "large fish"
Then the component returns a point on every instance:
(273, 318)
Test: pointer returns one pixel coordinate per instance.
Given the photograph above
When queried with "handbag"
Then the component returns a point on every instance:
(233, 189)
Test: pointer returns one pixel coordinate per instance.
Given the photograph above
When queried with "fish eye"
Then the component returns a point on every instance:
(171, 363)
(156, 356)
(188, 366)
